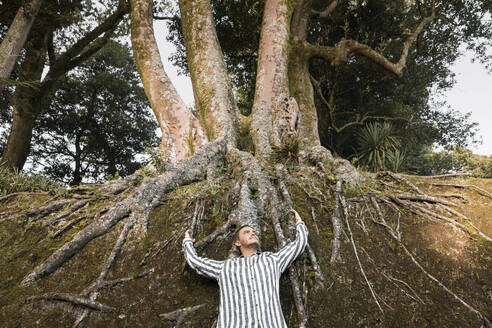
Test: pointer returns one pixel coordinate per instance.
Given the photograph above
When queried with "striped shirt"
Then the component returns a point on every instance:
(249, 286)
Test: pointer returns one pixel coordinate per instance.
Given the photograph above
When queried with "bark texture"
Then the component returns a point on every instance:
(272, 103)
(182, 134)
(214, 99)
(26, 103)
(300, 79)
(16, 37)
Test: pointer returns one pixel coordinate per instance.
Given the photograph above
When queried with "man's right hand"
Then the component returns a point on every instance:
(188, 234)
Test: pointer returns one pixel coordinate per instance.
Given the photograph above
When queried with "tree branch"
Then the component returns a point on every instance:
(60, 67)
(397, 68)
(365, 117)
(50, 48)
(327, 11)
(336, 55)
(91, 50)
(173, 18)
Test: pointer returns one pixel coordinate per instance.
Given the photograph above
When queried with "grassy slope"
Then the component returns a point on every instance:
(462, 262)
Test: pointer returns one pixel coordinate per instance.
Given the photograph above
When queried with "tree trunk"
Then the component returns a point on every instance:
(214, 99)
(77, 174)
(272, 88)
(182, 134)
(299, 78)
(26, 103)
(16, 37)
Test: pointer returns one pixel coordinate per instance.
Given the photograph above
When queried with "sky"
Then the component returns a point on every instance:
(471, 93)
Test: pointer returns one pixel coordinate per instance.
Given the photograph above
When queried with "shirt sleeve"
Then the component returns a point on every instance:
(292, 250)
(203, 266)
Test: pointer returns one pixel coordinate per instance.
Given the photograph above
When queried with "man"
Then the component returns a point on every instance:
(249, 284)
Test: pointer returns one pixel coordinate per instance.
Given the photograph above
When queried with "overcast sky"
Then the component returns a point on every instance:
(472, 92)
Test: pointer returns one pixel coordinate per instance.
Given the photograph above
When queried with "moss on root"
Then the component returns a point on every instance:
(462, 262)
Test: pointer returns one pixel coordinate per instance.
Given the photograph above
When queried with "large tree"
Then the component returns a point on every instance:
(221, 143)
(73, 141)
(35, 89)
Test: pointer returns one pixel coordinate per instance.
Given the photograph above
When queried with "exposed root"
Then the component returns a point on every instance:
(197, 215)
(425, 198)
(74, 208)
(337, 226)
(450, 210)
(219, 231)
(396, 235)
(345, 214)
(401, 179)
(146, 197)
(68, 226)
(393, 280)
(15, 194)
(419, 210)
(177, 317)
(440, 176)
(296, 290)
(50, 208)
(481, 191)
(75, 300)
(318, 274)
(313, 215)
(91, 292)
(452, 196)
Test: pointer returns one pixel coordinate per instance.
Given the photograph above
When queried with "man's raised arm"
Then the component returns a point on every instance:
(292, 250)
(206, 267)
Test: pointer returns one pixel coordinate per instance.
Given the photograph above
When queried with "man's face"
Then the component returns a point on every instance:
(247, 237)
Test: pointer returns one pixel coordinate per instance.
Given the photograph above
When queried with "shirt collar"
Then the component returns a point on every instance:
(257, 253)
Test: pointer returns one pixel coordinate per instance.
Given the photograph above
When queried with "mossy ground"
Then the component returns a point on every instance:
(461, 261)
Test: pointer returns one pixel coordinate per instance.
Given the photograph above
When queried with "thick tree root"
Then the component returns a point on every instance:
(68, 226)
(15, 194)
(481, 191)
(75, 300)
(402, 180)
(318, 274)
(146, 197)
(177, 317)
(74, 208)
(275, 212)
(50, 208)
(425, 198)
(337, 226)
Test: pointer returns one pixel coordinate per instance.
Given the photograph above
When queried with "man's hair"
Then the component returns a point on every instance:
(236, 234)
(236, 250)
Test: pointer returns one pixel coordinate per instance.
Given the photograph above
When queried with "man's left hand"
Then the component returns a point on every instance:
(296, 215)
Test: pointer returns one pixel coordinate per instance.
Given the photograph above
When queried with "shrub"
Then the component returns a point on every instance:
(375, 141)
(17, 181)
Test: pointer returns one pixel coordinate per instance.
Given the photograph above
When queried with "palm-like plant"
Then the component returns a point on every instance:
(394, 160)
(375, 140)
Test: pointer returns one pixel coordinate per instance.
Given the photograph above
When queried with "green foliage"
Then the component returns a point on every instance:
(289, 152)
(99, 122)
(14, 181)
(359, 86)
(452, 159)
(375, 141)
(395, 160)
